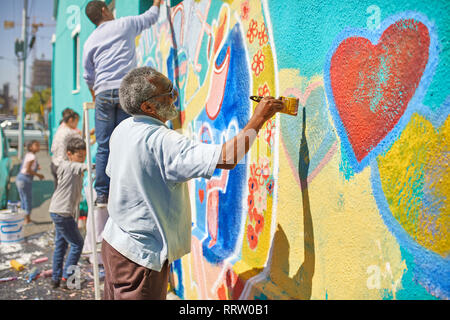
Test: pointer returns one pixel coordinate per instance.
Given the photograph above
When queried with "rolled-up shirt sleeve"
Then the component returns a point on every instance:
(183, 159)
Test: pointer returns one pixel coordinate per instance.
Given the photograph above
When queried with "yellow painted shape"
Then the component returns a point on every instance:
(190, 286)
(256, 259)
(192, 84)
(197, 103)
(416, 163)
(350, 238)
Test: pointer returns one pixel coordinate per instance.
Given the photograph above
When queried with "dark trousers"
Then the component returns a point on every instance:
(108, 115)
(24, 183)
(126, 280)
(66, 232)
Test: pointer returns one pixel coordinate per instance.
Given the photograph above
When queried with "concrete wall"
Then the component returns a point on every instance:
(348, 200)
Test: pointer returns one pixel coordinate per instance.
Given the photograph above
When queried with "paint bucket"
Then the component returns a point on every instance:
(11, 226)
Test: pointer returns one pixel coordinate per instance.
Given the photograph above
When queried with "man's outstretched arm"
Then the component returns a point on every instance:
(147, 19)
(235, 149)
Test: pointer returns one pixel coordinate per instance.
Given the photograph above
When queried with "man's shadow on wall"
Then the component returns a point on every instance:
(300, 285)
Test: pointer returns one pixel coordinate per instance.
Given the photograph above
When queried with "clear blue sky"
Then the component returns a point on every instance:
(11, 10)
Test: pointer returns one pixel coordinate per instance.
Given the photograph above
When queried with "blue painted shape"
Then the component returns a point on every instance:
(234, 110)
(176, 267)
(430, 270)
(174, 60)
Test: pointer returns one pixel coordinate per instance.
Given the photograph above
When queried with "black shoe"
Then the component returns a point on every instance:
(55, 284)
(101, 201)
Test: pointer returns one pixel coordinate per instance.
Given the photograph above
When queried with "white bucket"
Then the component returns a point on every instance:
(11, 226)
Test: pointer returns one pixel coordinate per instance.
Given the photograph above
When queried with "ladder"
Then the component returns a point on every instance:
(86, 107)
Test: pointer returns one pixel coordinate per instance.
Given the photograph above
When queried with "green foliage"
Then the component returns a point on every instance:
(33, 104)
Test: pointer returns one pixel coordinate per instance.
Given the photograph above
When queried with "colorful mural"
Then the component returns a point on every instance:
(348, 200)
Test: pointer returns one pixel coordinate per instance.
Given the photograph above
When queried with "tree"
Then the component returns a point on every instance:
(37, 101)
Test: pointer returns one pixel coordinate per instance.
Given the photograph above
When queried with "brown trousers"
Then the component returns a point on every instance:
(126, 280)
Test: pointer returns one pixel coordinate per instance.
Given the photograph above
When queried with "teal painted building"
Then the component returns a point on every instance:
(69, 90)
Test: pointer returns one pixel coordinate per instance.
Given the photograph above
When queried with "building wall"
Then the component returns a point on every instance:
(70, 18)
(347, 200)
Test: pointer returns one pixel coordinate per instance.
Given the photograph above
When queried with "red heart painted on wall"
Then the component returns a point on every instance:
(373, 84)
(201, 195)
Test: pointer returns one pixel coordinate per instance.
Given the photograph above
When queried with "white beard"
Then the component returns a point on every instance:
(169, 113)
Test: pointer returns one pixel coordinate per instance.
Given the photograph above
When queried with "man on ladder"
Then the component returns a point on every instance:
(108, 55)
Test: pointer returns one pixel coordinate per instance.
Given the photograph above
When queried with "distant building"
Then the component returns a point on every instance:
(6, 101)
(41, 75)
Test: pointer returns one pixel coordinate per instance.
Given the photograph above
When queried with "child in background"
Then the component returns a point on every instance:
(64, 211)
(24, 179)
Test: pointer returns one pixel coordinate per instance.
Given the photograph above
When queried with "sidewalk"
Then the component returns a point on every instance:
(38, 243)
(39, 237)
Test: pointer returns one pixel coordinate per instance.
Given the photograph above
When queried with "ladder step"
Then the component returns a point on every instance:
(88, 105)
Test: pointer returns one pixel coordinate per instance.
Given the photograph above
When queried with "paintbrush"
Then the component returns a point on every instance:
(290, 104)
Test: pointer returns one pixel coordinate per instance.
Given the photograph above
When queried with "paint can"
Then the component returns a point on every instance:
(11, 226)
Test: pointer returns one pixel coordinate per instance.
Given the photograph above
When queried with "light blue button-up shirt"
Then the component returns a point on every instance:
(110, 51)
(149, 209)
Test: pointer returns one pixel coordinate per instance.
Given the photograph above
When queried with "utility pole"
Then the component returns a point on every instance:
(21, 111)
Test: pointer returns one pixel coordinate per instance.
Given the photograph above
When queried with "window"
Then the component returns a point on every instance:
(76, 60)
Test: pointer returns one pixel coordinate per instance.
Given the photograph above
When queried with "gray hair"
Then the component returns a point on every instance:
(136, 88)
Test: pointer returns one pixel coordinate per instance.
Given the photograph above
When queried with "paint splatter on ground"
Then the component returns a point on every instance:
(37, 246)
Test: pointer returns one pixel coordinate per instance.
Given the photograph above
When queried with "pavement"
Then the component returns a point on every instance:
(39, 243)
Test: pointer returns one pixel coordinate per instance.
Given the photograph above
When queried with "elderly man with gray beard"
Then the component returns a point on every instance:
(149, 223)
